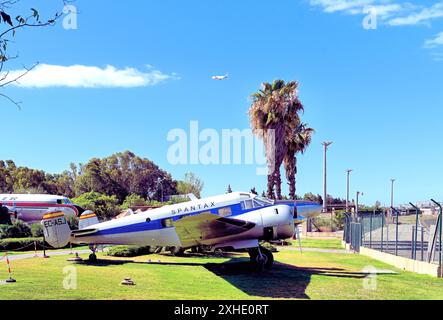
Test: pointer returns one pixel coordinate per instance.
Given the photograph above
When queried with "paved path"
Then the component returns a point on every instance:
(68, 252)
(50, 254)
(314, 250)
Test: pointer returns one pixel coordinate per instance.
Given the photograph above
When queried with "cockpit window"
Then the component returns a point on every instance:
(263, 201)
(247, 204)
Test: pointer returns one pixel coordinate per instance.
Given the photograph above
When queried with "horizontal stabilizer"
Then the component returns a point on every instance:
(87, 219)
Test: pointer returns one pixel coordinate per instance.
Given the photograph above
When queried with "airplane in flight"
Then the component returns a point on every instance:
(220, 78)
(230, 222)
(31, 207)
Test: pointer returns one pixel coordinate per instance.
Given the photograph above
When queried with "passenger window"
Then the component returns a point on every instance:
(167, 223)
(224, 212)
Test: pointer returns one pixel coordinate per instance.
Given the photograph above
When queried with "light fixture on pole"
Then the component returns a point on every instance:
(325, 144)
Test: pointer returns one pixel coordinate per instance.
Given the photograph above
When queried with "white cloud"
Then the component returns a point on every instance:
(348, 6)
(396, 13)
(421, 17)
(383, 8)
(436, 42)
(80, 76)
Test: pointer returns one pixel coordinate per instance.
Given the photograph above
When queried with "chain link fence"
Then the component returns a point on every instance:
(412, 236)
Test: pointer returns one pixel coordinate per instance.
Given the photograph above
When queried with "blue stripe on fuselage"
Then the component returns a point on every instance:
(236, 210)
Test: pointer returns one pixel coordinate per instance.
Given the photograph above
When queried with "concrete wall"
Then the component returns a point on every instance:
(403, 263)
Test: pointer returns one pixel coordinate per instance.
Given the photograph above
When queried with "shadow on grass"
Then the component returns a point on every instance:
(283, 281)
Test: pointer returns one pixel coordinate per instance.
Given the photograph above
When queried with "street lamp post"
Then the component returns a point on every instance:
(325, 144)
(392, 192)
(347, 190)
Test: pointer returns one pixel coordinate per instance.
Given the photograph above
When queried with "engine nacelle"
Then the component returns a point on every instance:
(278, 223)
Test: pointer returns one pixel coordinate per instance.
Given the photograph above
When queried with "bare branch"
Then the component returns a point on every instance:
(17, 104)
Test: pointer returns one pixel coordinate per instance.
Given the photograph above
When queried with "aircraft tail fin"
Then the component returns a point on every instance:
(87, 219)
(56, 229)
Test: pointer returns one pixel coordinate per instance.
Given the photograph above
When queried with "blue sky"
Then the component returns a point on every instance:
(375, 93)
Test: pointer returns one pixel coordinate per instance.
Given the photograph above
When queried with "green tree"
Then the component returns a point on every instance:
(133, 200)
(271, 111)
(298, 138)
(191, 184)
(106, 207)
(123, 174)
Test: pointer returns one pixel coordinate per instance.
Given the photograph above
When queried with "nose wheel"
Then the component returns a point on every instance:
(261, 258)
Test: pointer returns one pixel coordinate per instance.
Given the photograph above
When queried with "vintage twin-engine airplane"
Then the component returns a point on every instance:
(229, 222)
(32, 207)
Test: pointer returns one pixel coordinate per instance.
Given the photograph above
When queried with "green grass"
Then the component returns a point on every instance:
(319, 243)
(310, 275)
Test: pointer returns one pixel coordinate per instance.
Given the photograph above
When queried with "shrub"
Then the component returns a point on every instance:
(128, 251)
(104, 206)
(4, 230)
(326, 223)
(37, 230)
(18, 229)
(22, 244)
(133, 200)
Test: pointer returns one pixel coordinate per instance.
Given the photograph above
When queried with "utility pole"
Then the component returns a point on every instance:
(392, 193)
(325, 144)
(347, 190)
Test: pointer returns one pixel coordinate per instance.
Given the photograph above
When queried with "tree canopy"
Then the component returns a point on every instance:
(119, 175)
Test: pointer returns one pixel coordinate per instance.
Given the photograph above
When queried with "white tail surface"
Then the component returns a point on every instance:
(88, 218)
(56, 229)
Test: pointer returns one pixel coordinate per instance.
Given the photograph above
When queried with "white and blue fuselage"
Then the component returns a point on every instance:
(236, 220)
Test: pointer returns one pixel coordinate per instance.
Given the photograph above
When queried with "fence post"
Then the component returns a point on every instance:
(370, 230)
(417, 212)
(387, 231)
(382, 227)
(422, 244)
(413, 243)
(439, 226)
(396, 230)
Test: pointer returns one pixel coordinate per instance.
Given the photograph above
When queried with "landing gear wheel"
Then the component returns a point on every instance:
(92, 257)
(262, 259)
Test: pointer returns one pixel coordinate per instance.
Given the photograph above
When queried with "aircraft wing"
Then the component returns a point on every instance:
(194, 229)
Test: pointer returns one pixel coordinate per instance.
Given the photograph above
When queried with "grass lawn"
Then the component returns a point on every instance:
(319, 243)
(310, 275)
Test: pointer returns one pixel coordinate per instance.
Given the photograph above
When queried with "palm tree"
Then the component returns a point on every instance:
(297, 141)
(271, 108)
